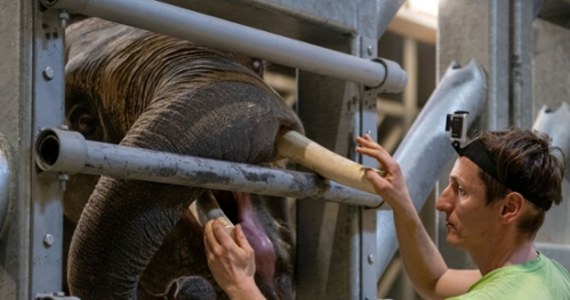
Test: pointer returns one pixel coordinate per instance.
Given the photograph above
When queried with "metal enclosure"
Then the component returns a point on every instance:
(32, 100)
(341, 249)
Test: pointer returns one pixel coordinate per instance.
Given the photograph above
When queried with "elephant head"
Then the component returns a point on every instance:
(142, 89)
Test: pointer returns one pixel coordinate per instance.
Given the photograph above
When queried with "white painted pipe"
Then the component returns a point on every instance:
(175, 21)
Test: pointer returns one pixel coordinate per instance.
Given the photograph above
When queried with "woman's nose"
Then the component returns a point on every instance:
(445, 201)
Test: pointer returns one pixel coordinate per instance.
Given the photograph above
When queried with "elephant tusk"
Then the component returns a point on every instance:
(206, 208)
(326, 163)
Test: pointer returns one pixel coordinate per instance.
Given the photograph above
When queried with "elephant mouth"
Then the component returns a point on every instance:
(233, 207)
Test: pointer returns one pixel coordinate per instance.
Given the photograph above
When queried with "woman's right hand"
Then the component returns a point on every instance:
(392, 186)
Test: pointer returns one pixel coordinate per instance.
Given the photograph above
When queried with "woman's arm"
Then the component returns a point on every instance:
(423, 262)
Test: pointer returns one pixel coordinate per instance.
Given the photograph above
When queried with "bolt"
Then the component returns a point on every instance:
(63, 177)
(48, 240)
(48, 73)
(370, 258)
(63, 18)
(369, 49)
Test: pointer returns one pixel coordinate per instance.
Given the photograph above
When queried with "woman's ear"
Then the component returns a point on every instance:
(512, 207)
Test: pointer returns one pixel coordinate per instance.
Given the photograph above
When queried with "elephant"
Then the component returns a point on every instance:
(136, 239)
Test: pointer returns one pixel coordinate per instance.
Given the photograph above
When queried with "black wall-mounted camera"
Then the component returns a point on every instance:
(456, 124)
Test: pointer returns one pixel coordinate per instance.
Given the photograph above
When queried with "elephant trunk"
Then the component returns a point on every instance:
(113, 245)
(125, 222)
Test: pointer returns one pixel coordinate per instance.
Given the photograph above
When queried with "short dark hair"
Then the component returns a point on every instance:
(524, 158)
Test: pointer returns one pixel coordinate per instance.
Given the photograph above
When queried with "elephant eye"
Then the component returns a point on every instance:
(83, 120)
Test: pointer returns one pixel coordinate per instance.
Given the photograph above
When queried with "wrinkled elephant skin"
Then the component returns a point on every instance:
(135, 239)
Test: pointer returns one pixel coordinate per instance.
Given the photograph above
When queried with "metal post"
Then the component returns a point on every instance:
(522, 48)
(480, 30)
(6, 183)
(175, 21)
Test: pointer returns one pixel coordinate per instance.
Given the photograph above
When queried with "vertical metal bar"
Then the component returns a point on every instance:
(480, 30)
(410, 96)
(6, 183)
(498, 69)
(522, 48)
(367, 117)
(46, 230)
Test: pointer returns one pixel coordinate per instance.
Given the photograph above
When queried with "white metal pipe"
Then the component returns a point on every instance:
(67, 151)
(175, 21)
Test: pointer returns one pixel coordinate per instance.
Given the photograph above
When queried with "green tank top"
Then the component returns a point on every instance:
(540, 278)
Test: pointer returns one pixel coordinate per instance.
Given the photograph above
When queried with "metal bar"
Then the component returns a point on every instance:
(522, 49)
(46, 199)
(175, 21)
(498, 65)
(366, 123)
(6, 177)
(426, 148)
(67, 151)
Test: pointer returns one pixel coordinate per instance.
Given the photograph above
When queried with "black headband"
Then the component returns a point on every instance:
(478, 154)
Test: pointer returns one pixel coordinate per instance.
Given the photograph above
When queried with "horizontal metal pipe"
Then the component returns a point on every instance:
(67, 151)
(175, 21)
